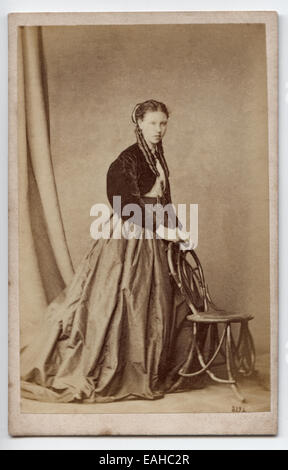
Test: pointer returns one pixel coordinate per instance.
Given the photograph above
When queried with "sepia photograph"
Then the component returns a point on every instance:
(143, 223)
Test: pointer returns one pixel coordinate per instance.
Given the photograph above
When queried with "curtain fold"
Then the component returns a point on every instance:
(45, 266)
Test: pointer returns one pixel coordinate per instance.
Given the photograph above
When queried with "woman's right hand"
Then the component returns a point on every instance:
(169, 234)
(186, 242)
(173, 234)
(177, 235)
(182, 235)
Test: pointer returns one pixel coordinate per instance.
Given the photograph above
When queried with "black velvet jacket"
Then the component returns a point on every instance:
(130, 177)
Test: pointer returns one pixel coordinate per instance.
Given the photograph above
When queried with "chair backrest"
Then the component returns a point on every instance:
(187, 271)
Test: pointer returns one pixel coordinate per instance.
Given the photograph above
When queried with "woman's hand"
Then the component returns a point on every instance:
(186, 240)
(177, 235)
(189, 245)
(169, 234)
(183, 235)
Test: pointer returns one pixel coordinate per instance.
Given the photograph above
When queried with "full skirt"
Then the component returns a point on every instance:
(118, 331)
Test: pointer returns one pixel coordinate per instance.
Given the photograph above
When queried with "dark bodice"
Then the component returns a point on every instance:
(131, 177)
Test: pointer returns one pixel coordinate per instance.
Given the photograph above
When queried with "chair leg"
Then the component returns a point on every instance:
(247, 352)
(206, 365)
(229, 360)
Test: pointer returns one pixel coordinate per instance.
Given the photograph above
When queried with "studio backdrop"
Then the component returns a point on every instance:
(77, 88)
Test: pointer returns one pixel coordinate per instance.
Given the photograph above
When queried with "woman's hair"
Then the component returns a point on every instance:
(139, 112)
(150, 105)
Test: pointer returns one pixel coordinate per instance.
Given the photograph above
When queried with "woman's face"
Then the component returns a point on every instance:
(153, 126)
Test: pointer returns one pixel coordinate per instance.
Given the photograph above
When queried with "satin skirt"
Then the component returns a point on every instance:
(118, 331)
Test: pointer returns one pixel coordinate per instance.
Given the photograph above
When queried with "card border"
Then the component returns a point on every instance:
(178, 424)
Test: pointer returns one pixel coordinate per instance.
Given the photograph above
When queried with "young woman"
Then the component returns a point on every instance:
(119, 330)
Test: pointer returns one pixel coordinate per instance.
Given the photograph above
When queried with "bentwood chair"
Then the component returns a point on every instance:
(227, 334)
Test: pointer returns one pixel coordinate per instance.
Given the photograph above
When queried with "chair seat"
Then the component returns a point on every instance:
(214, 315)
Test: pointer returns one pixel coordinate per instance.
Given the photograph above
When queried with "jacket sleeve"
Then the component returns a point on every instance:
(122, 180)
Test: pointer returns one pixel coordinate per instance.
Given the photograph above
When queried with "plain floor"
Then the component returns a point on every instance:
(213, 398)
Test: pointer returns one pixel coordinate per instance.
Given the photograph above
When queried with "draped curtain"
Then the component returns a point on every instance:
(44, 260)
